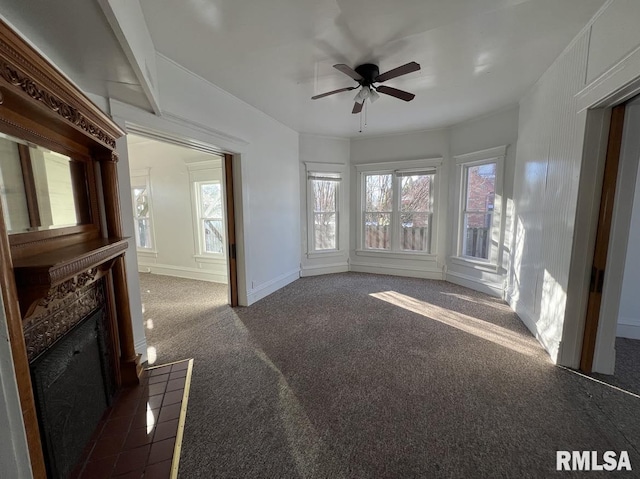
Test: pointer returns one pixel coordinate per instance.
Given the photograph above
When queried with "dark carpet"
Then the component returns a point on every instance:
(371, 376)
(627, 373)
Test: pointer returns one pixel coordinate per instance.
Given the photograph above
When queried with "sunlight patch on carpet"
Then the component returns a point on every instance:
(468, 324)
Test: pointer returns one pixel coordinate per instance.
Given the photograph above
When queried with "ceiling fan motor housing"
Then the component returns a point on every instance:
(369, 72)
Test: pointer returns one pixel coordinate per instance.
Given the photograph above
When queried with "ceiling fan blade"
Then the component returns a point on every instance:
(322, 95)
(396, 72)
(403, 95)
(357, 107)
(347, 70)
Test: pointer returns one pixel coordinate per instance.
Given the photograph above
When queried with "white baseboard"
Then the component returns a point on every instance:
(182, 272)
(628, 328)
(492, 289)
(271, 286)
(395, 270)
(552, 346)
(316, 270)
(141, 348)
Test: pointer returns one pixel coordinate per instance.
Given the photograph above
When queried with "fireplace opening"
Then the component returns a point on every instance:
(73, 386)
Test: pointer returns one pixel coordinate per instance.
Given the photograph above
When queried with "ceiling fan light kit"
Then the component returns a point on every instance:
(367, 75)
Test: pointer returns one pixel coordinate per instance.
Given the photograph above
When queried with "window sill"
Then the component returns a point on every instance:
(147, 253)
(212, 259)
(326, 254)
(475, 264)
(396, 254)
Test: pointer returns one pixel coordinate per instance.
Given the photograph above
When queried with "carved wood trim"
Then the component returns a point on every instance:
(60, 265)
(30, 74)
(62, 270)
(61, 309)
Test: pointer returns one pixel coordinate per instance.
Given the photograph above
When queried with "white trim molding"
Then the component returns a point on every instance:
(183, 272)
(320, 269)
(482, 155)
(492, 289)
(495, 155)
(141, 348)
(265, 289)
(426, 272)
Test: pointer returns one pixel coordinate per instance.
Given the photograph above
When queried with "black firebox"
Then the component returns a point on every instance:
(73, 386)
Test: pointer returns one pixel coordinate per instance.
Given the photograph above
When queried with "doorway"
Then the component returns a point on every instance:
(612, 312)
(184, 222)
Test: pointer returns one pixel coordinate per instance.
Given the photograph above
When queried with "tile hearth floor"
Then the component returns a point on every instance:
(140, 435)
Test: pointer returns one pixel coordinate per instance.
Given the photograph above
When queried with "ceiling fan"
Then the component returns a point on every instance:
(368, 74)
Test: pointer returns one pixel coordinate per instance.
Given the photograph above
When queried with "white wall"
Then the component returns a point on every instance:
(269, 167)
(335, 151)
(629, 313)
(409, 146)
(552, 127)
(174, 252)
(489, 131)
(545, 195)
(266, 167)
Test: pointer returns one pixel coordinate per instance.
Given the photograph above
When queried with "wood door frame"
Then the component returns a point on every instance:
(230, 216)
(603, 232)
(603, 358)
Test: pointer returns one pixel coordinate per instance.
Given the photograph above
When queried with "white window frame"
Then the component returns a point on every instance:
(398, 169)
(199, 218)
(463, 162)
(204, 172)
(141, 179)
(334, 171)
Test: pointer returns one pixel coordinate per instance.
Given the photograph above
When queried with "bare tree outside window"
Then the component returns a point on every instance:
(415, 212)
(210, 221)
(378, 191)
(325, 214)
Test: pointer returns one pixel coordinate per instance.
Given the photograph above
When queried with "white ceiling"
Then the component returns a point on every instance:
(476, 55)
(79, 40)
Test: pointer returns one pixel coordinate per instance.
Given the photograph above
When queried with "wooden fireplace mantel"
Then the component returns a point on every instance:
(39, 105)
(38, 274)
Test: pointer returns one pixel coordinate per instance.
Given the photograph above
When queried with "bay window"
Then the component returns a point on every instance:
(397, 207)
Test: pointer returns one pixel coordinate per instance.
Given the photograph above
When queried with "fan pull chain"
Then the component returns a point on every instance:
(360, 121)
(365, 113)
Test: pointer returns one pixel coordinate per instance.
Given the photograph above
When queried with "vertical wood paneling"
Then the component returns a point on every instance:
(548, 161)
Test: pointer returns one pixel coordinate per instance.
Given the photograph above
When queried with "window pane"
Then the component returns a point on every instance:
(476, 235)
(141, 201)
(324, 196)
(144, 233)
(415, 234)
(416, 193)
(377, 192)
(377, 230)
(481, 184)
(324, 226)
(211, 200)
(213, 236)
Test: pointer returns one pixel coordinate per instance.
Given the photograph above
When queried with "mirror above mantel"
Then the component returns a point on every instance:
(41, 189)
